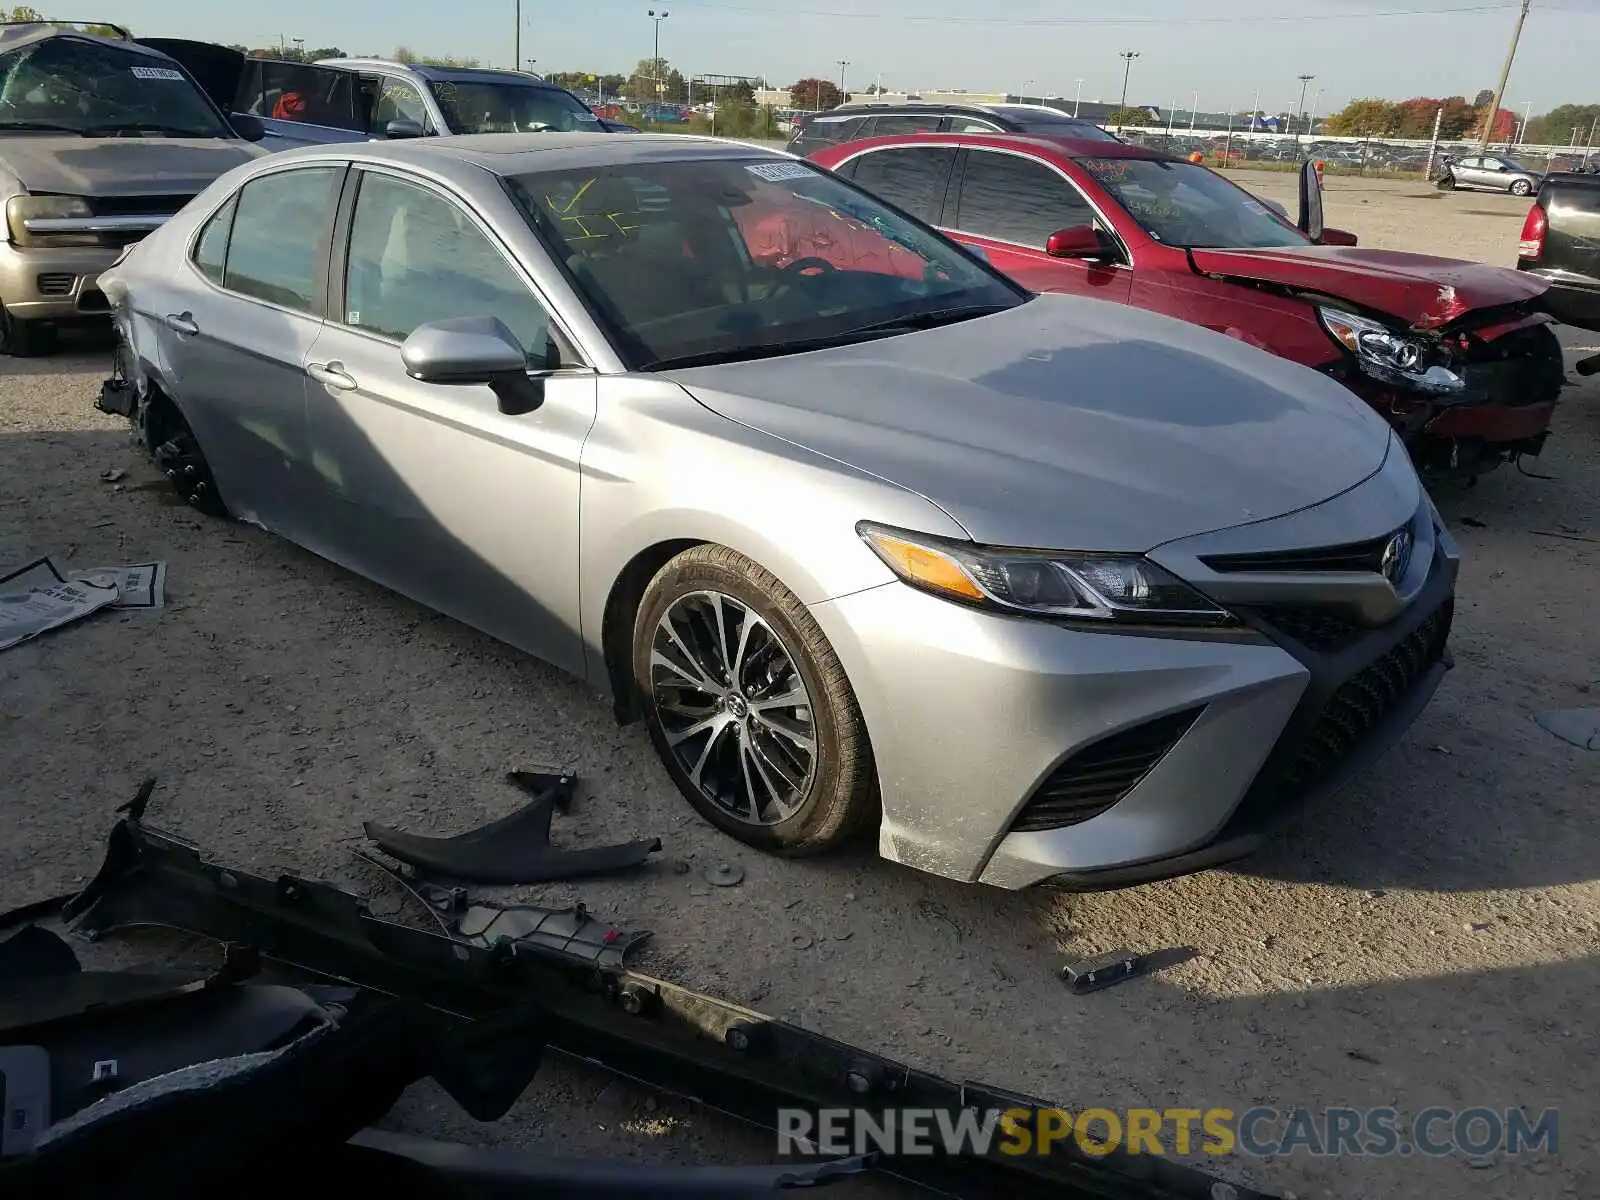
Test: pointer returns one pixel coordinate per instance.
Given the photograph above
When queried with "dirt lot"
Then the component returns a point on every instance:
(1431, 938)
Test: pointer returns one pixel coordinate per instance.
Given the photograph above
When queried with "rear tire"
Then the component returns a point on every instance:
(716, 641)
(1447, 182)
(25, 339)
(1521, 187)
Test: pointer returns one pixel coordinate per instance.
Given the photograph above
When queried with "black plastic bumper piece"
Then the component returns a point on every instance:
(514, 849)
(728, 1058)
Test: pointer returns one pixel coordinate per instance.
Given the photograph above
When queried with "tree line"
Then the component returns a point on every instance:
(1462, 119)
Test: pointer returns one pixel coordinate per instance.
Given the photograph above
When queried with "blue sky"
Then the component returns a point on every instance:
(1224, 49)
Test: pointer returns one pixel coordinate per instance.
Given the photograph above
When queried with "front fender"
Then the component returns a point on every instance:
(660, 468)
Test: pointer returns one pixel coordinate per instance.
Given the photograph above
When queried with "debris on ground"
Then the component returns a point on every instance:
(115, 475)
(37, 598)
(1579, 726)
(1100, 971)
(514, 849)
(725, 874)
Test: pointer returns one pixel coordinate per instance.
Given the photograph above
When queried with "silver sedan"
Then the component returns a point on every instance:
(1031, 586)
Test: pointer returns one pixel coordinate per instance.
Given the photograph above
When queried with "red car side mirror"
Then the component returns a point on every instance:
(1079, 241)
(1337, 237)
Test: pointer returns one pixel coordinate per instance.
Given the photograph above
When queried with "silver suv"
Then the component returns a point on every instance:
(101, 140)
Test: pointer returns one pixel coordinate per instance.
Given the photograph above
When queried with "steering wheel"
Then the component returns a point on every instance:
(809, 267)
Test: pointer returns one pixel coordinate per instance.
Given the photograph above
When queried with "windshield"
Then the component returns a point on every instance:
(724, 259)
(1031, 120)
(490, 107)
(1184, 204)
(88, 87)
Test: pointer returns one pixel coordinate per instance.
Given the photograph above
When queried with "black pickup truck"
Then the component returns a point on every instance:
(1561, 242)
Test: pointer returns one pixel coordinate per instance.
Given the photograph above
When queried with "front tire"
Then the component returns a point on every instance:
(25, 339)
(749, 707)
(1447, 182)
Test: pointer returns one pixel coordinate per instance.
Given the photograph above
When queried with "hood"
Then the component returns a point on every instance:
(1067, 423)
(131, 166)
(1423, 291)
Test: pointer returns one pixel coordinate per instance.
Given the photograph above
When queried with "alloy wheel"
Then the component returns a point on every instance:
(733, 706)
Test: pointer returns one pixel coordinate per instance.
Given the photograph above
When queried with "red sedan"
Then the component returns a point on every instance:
(1459, 356)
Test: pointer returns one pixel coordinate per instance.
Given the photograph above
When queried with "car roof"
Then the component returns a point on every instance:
(442, 74)
(998, 109)
(1062, 145)
(25, 33)
(524, 153)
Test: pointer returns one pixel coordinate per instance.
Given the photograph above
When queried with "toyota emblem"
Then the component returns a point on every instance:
(1396, 559)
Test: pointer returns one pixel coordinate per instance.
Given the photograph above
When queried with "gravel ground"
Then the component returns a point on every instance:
(1428, 939)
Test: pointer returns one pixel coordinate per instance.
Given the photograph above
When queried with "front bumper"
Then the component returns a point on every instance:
(54, 283)
(975, 719)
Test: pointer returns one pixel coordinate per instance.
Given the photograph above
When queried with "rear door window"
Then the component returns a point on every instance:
(299, 92)
(1016, 199)
(278, 227)
(912, 178)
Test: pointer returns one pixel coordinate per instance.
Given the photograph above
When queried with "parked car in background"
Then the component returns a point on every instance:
(1458, 356)
(1561, 244)
(353, 99)
(1491, 172)
(1030, 586)
(853, 122)
(101, 140)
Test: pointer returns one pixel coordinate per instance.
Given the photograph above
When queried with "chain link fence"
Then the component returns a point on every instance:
(1394, 157)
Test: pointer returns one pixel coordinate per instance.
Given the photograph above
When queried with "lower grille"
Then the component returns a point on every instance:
(1098, 776)
(1363, 700)
(55, 283)
(1319, 629)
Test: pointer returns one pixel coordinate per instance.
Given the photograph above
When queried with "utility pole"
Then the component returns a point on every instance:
(1127, 57)
(843, 95)
(516, 38)
(1078, 98)
(1505, 76)
(1305, 82)
(1194, 103)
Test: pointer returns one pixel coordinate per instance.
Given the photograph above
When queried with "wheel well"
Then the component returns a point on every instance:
(159, 419)
(616, 628)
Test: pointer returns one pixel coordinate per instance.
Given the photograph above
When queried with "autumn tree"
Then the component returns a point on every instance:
(1562, 124)
(405, 54)
(1366, 118)
(1128, 116)
(815, 94)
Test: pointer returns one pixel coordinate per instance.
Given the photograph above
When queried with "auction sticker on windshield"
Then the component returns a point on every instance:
(777, 172)
(156, 73)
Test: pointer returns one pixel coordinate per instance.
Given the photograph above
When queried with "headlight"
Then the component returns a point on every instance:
(28, 208)
(1389, 356)
(1087, 586)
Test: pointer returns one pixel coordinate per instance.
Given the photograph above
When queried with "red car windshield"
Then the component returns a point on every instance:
(1185, 204)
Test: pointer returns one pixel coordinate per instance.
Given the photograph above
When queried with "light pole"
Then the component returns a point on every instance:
(516, 37)
(655, 61)
(843, 63)
(1127, 57)
(1077, 98)
(300, 48)
(1194, 103)
(1316, 107)
(1305, 82)
(1026, 84)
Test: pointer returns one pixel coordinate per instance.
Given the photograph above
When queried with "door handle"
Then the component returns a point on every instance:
(181, 323)
(331, 374)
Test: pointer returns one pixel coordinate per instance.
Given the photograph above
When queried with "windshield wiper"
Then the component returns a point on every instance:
(861, 333)
(43, 127)
(148, 127)
(929, 320)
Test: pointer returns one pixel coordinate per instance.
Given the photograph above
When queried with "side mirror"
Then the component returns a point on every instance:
(475, 350)
(1079, 241)
(1337, 237)
(248, 126)
(402, 129)
(1310, 222)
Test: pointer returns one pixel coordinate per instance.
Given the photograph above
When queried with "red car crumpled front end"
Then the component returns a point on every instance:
(1483, 327)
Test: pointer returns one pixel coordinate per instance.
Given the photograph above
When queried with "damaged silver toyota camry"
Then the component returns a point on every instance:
(1035, 586)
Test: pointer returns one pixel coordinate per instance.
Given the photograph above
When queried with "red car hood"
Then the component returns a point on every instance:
(1424, 291)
